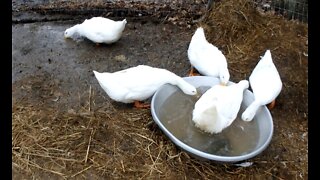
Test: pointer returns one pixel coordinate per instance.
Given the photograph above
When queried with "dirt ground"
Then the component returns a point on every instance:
(64, 126)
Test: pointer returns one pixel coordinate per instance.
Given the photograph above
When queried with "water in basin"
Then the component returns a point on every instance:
(238, 139)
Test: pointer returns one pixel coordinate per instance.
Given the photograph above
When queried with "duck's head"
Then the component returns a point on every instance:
(249, 113)
(70, 31)
(67, 34)
(187, 88)
(224, 76)
(190, 91)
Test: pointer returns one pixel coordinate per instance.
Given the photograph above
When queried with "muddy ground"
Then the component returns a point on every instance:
(65, 126)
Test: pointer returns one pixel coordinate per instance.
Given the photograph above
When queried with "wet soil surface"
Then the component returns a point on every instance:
(59, 107)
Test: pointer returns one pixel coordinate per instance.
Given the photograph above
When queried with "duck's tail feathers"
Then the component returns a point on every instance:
(96, 74)
(267, 55)
(199, 35)
(244, 84)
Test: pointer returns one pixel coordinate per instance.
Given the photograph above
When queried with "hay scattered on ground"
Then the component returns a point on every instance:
(104, 144)
(243, 33)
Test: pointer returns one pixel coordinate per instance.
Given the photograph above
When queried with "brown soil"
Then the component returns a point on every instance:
(65, 126)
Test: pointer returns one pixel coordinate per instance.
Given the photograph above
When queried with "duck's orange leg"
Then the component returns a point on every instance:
(271, 105)
(192, 73)
(139, 104)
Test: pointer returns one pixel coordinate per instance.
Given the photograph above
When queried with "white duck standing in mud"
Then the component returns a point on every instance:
(98, 30)
(139, 83)
(207, 58)
(218, 107)
(266, 85)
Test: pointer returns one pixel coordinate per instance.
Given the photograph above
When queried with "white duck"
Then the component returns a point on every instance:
(218, 107)
(138, 83)
(98, 30)
(207, 58)
(266, 85)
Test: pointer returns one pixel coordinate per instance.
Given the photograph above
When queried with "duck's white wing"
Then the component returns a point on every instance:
(97, 20)
(204, 60)
(205, 114)
(265, 82)
(231, 103)
(141, 81)
(95, 33)
(99, 29)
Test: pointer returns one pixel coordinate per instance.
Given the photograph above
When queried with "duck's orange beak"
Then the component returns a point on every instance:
(223, 84)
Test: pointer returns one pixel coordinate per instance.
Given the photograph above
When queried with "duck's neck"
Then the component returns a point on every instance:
(74, 30)
(183, 85)
(243, 84)
(251, 111)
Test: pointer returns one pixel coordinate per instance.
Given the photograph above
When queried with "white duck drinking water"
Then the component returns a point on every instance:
(207, 58)
(266, 85)
(98, 30)
(218, 107)
(139, 83)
